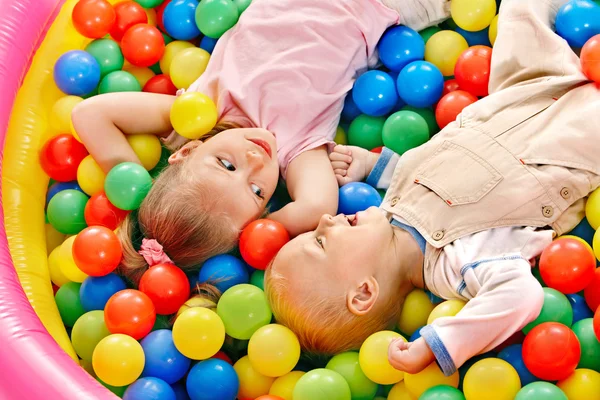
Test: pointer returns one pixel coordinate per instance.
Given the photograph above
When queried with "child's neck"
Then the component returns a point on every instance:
(407, 258)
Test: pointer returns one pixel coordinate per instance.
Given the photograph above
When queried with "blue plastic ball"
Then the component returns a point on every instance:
(208, 44)
(580, 307)
(350, 110)
(77, 73)
(163, 360)
(224, 271)
(59, 187)
(420, 84)
(179, 19)
(357, 196)
(375, 93)
(577, 21)
(513, 355)
(415, 335)
(96, 290)
(180, 391)
(149, 389)
(399, 46)
(584, 230)
(478, 38)
(211, 380)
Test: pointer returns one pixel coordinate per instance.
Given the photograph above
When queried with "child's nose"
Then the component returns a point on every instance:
(255, 160)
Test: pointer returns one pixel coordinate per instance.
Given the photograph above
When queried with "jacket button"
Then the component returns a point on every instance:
(394, 201)
(438, 235)
(565, 193)
(547, 211)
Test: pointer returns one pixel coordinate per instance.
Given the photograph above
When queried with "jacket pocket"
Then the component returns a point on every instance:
(457, 175)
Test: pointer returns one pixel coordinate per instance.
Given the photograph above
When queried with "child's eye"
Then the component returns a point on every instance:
(320, 242)
(257, 191)
(229, 166)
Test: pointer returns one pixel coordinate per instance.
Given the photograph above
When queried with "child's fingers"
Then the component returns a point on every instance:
(340, 172)
(335, 156)
(339, 165)
(342, 180)
(340, 148)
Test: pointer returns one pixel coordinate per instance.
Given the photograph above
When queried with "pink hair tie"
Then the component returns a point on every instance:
(153, 253)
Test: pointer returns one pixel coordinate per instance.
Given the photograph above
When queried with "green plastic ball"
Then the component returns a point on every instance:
(258, 279)
(243, 309)
(161, 322)
(119, 81)
(556, 308)
(156, 67)
(590, 346)
(126, 185)
(442, 392)
(88, 330)
(404, 130)
(429, 117)
(242, 5)
(149, 3)
(118, 391)
(427, 33)
(108, 54)
(168, 39)
(539, 391)
(322, 384)
(68, 303)
(346, 364)
(162, 163)
(215, 17)
(66, 211)
(365, 131)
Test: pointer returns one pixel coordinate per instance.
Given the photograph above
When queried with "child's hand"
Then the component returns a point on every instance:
(410, 357)
(351, 163)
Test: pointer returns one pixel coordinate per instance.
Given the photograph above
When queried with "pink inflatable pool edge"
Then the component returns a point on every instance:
(32, 365)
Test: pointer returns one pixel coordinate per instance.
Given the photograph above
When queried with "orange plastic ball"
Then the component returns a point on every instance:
(97, 251)
(129, 13)
(261, 240)
(167, 286)
(93, 18)
(143, 45)
(451, 105)
(60, 157)
(567, 265)
(590, 58)
(130, 312)
(472, 70)
(597, 323)
(592, 292)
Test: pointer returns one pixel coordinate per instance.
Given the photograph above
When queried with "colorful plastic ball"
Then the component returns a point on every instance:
(451, 105)
(179, 19)
(163, 360)
(577, 21)
(160, 84)
(540, 390)
(473, 15)
(93, 18)
(116, 390)
(167, 286)
(322, 384)
(215, 17)
(65, 211)
(366, 132)
(374, 93)
(147, 148)
(244, 309)
(87, 332)
(108, 55)
(590, 346)
(61, 156)
(100, 211)
(597, 324)
(472, 70)
(443, 50)
(431, 376)
(69, 304)
(493, 31)
(261, 240)
(273, 350)
(580, 308)
(427, 33)
(90, 176)
(118, 360)
(397, 392)
(67, 264)
(97, 251)
(77, 73)
(399, 46)
(283, 386)
(193, 114)
(188, 65)
(95, 291)
(450, 85)
(551, 351)
(357, 196)
(556, 308)
(119, 81)
(56, 275)
(59, 187)
(198, 333)
(428, 115)
(404, 130)
(420, 84)
(60, 116)
(590, 58)
(373, 358)
(592, 292)
(347, 365)
(252, 383)
(583, 384)
(224, 271)
(208, 44)
(513, 355)
(129, 14)
(258, 279)
(130, 312)
(143, 45)
(350, 111)
(491, 378)
(567, 265)
(448, 308)
(141, 74)
(442, 392)
(149, 388)
(592, 209)
(171, 50)
(126, 185)
(415, 311)
(479, 38)
(149, 3)
(212, 379)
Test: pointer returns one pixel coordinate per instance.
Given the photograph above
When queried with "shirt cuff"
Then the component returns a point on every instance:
(439, 350)
(381, 175)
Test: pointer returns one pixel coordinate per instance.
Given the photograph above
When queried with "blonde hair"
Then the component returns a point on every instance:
(324, 325)
(179, 213)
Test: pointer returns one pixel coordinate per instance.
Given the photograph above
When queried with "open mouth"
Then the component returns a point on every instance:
(264, 145)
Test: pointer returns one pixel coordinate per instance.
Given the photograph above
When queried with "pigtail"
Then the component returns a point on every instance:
(133, 265)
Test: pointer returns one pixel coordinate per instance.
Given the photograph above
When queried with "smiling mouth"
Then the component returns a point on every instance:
(263, 145)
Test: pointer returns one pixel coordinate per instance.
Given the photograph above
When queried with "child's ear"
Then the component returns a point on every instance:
(361, 299)
(184, 151)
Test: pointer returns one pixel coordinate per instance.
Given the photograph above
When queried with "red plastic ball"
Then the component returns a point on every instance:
(451, 85)
(61, 156)
(129, 13)
(167, 286)
(97, 251)
(261, 240)
(160, 10)
(100, 211)
(222, 356)
(269, 397)
(143, 45)
(160, 84)
(551, 351)
(597, 324)
(472, 70)
(451, 105)
(567, 265)
(130, 312)
(592, 292)
(515, 338)
(93, 18)
(377, 150)
(590, 58)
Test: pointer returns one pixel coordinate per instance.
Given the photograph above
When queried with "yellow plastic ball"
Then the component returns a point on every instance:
(491, 379)
(193, 114)
(373, 358)
(142, 74)
(418, 383)
(473, 15)
(493, 32)
(284, 385)
(187, 66)
(583, 384)
(415, 311)
(592, 209)
(67, 264)
(274, 350)
(340, 136)
(60, 116)
(448, 308)
(152, 18)
(443, 50)
(74, 132)
(56, 275)
(170, 51)
(196, 301)
(147, 148)
(90, 176)
(198, 333)
(252, 383)
(400, 392)
(53, 238)
(118, 359)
